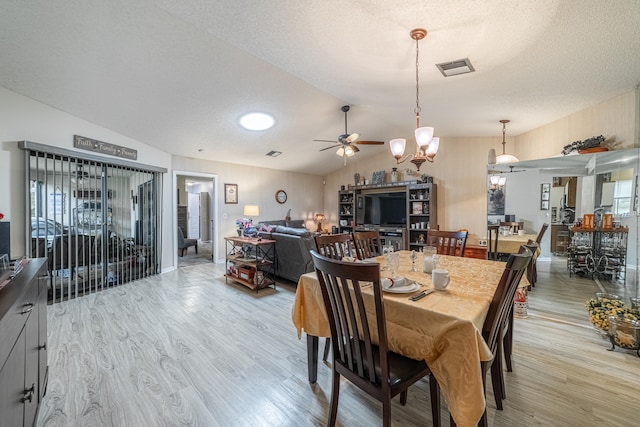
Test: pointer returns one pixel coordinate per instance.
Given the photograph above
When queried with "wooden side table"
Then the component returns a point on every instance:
(251, 261)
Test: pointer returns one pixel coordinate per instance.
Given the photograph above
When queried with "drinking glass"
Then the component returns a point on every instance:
(394, 262)
(386, 251)
(413, 261)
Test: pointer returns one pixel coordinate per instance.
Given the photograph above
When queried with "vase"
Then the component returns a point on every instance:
(394, 174)
(239, 233)
(356, 178)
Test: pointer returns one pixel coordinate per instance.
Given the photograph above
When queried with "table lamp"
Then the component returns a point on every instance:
(318, 219)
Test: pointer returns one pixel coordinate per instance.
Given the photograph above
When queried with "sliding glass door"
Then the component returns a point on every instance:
(96, 221)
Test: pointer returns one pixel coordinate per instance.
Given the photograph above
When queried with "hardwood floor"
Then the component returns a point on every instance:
(184, 348)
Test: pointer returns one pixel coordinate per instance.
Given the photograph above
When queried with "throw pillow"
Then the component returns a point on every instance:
(266, 227)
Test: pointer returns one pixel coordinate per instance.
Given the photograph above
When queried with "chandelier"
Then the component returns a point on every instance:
(427, 144)
(504, 157)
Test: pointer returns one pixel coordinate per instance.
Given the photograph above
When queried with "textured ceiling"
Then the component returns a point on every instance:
(178, 75)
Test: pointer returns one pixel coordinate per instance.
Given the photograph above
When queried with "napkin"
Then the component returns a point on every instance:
(396, 282)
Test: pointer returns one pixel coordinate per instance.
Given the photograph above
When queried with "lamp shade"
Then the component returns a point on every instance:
(506, 158)
(424, 135)
(433, 146)
(397, 146)
(251, 210)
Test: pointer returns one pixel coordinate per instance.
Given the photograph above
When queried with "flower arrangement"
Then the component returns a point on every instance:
(243, 223)
(604, 306)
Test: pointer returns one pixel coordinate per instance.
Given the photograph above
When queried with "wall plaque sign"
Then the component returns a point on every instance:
(104, 147)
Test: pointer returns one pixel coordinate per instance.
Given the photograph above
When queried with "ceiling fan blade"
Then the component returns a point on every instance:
(329, 148)
(352, 138)
(324, 140)
(370, 142)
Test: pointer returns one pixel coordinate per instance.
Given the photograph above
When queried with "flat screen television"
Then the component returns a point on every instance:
(382, 209)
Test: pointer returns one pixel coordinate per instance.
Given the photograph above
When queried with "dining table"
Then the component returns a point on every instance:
(444, 328)
(510, 244)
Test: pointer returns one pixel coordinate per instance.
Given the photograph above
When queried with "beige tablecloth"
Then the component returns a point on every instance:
(511, 244)
(444, 328)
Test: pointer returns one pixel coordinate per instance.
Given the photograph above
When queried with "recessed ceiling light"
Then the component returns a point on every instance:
(257, 121)
(274, 153)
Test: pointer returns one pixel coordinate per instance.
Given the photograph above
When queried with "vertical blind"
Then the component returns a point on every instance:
(97, 221)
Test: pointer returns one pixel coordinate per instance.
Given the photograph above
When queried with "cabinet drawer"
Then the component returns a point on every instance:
(13, 321)
(18, 300)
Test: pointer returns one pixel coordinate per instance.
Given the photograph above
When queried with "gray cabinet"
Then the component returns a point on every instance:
(23, 354)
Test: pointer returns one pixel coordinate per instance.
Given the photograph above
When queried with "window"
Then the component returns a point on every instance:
(622, 198)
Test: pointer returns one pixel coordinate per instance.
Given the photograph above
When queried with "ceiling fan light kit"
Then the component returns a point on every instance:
(427, 144)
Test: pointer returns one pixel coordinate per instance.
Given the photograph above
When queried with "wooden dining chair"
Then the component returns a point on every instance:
(514, 225)
(447, 242)
(532, 270)
(367, 243)
(336, 246)
(497, 321)
(541, 233)
(493, 233)
(507, 334)
(371, 367)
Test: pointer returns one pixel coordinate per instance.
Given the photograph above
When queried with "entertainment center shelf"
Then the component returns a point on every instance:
(407, 205)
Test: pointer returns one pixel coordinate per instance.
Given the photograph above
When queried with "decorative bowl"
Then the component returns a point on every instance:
(624, 333)
(605, 296)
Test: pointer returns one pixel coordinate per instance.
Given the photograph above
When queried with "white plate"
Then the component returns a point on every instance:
(403, 289)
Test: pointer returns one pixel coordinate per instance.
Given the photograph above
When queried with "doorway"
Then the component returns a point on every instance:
(195, 195)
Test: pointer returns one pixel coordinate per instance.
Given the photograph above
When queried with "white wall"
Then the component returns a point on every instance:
(256, 186)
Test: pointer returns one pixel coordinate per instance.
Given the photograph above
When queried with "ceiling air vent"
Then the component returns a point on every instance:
(454, 68)
(273, 153)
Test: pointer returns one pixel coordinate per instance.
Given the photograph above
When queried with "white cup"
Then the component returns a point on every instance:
(440, 279)
(520, 232)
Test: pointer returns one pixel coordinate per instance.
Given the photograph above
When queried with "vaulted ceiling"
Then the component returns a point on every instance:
(178, 75)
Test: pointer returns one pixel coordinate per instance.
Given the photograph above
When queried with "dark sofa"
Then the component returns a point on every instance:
(293, 243)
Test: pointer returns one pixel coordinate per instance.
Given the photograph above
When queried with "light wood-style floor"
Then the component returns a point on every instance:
(184, 348)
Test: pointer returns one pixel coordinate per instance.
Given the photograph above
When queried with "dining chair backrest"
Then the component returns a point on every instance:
(502, 302)
(515, 226)
(541, 233)
(336, 246)
(493, 233)
(367, 243)
(448, 242)
(341, 284)
(531, 267)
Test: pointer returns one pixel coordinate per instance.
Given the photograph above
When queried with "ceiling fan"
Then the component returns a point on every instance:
(346, 142)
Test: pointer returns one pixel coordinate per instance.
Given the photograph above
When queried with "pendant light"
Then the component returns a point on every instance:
(504, 157)
(427, 144)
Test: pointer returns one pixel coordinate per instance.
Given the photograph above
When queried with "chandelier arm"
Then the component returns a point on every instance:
(402, 159)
